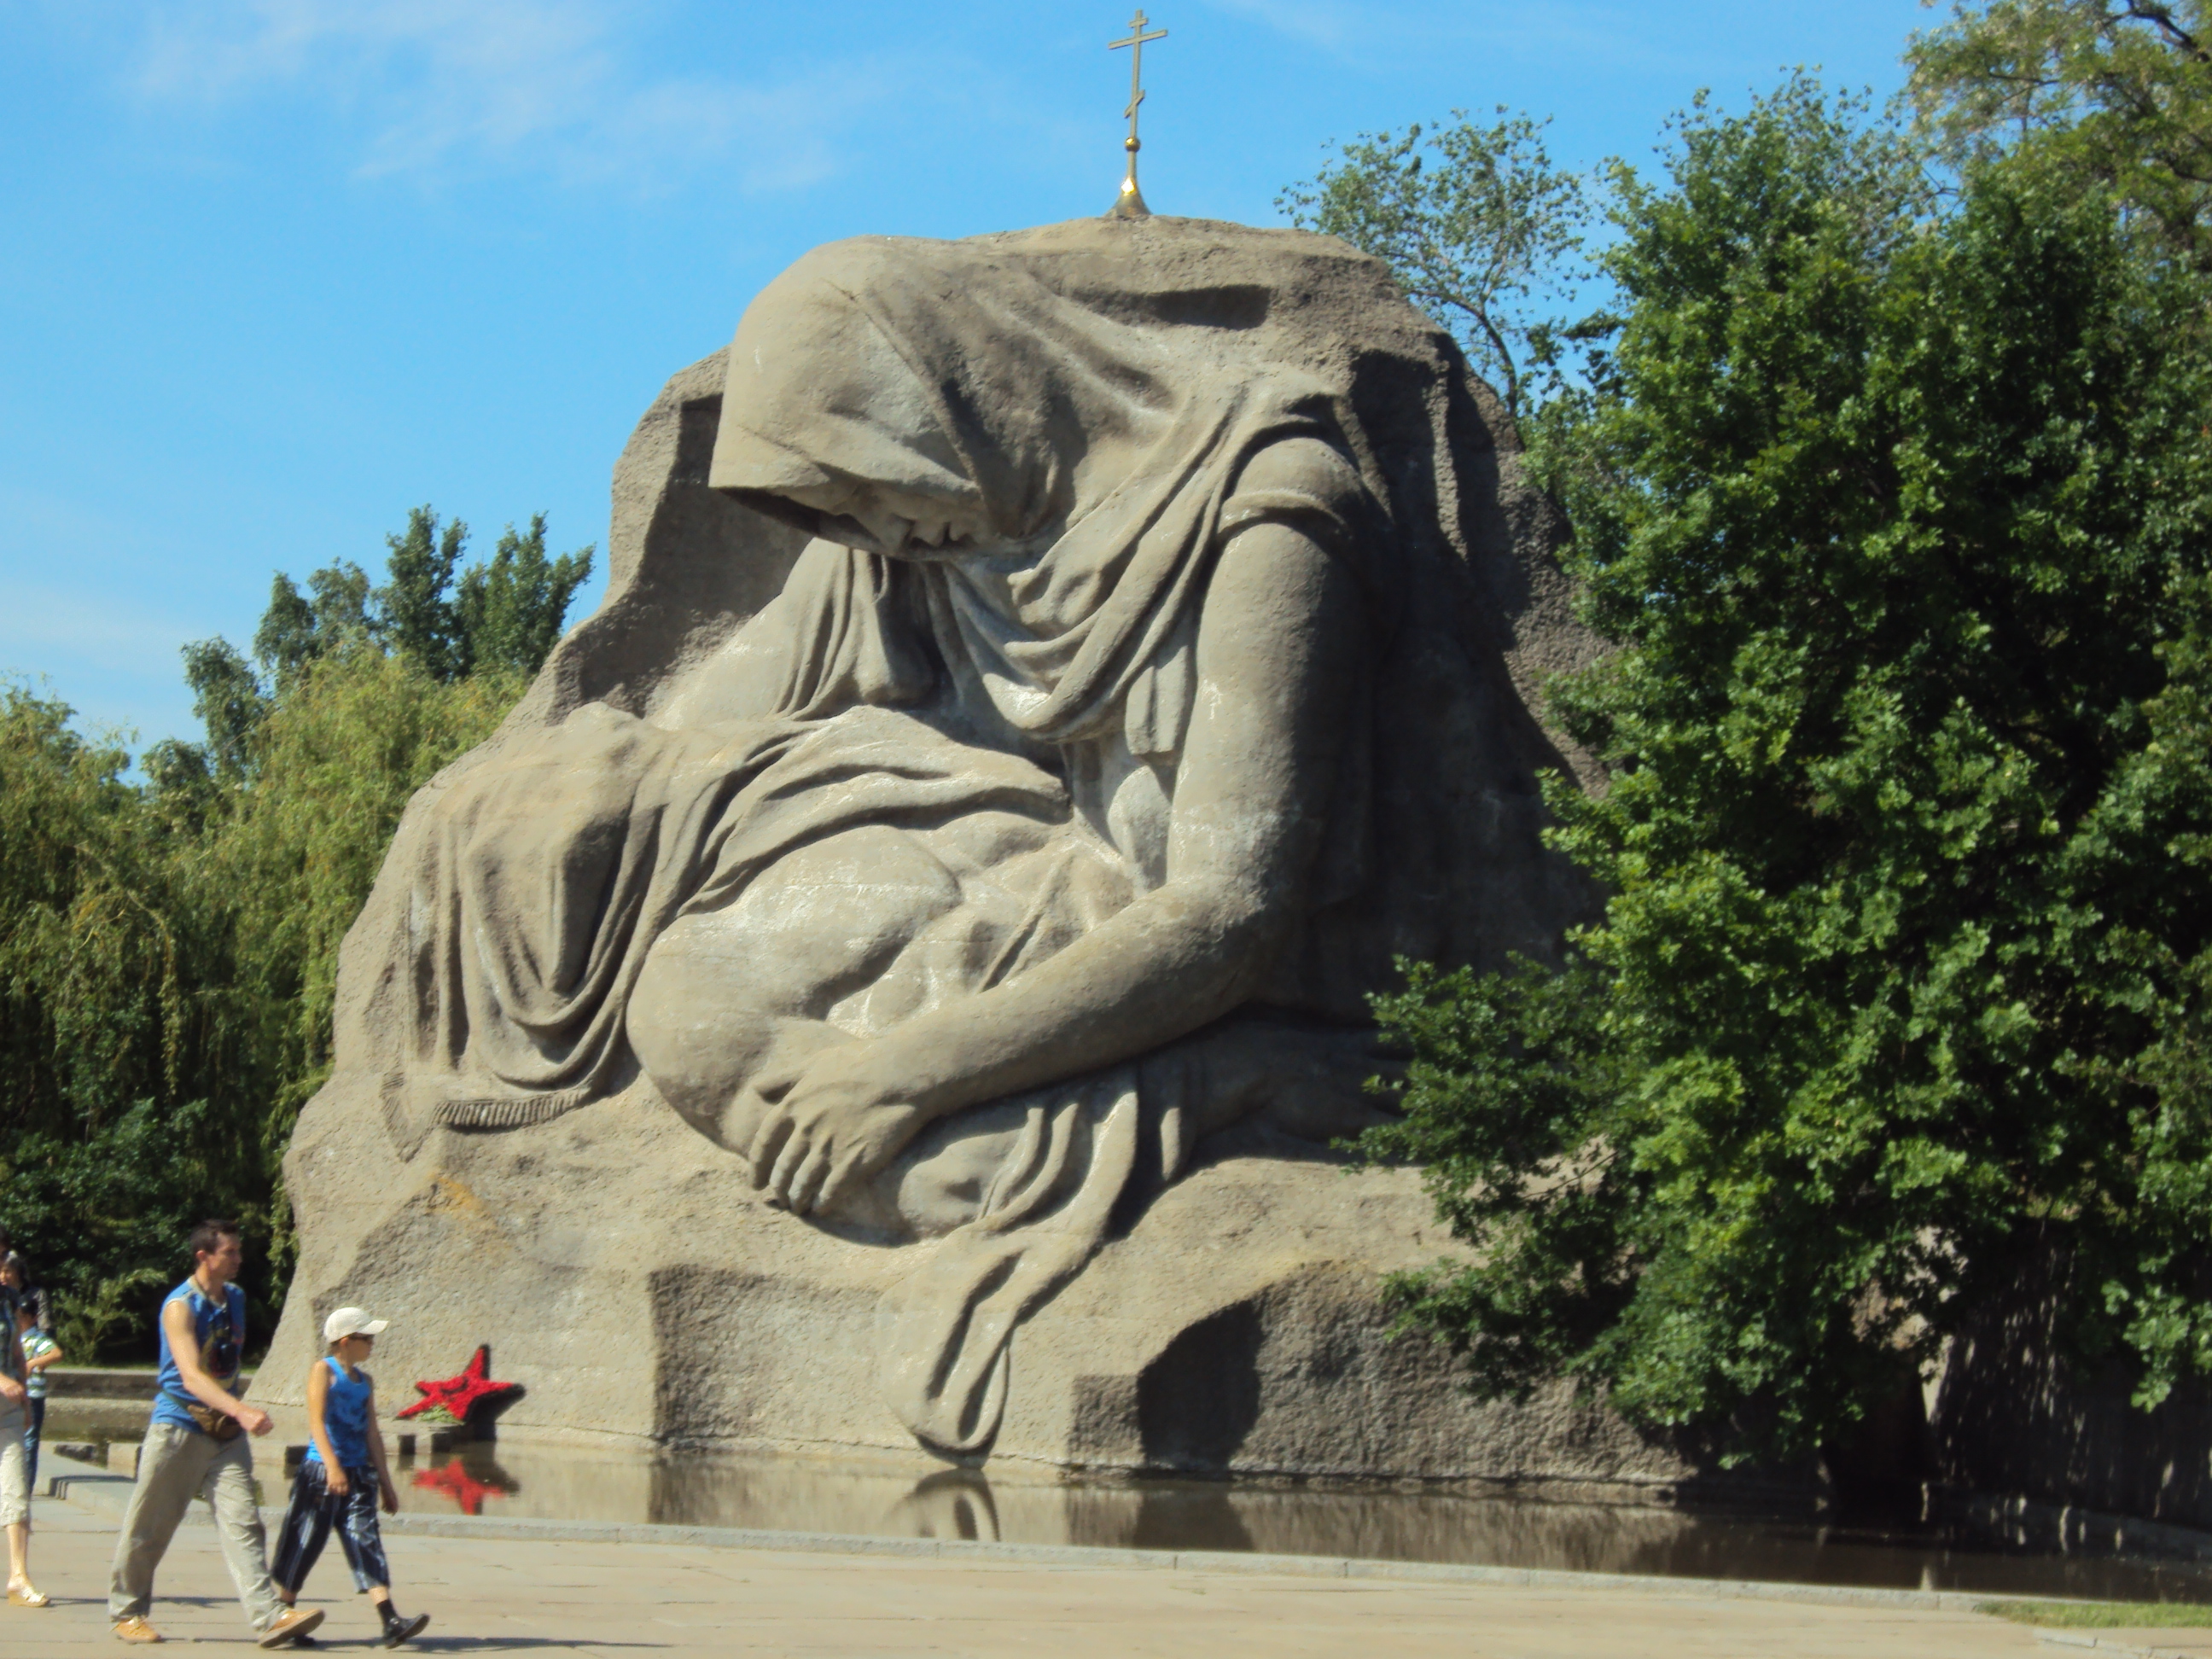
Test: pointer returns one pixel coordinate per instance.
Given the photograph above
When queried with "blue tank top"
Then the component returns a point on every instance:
(219, 1327)
(346, 1416)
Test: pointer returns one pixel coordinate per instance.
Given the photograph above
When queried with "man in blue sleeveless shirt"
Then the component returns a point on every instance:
(197, 1445)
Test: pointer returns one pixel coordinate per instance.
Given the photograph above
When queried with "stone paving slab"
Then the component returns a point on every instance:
(624, 1600)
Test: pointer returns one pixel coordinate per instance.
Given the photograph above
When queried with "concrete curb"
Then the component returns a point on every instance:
(2113, 1646)
(100, 1493)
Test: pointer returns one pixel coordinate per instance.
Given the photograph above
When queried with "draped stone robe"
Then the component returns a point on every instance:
(1013, 708)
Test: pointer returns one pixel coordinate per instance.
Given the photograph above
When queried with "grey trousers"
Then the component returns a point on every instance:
(177, 1466)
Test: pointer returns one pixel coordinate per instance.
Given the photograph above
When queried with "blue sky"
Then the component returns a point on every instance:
(271, 271)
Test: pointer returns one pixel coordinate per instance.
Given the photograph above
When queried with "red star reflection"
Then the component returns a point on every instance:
(458, 1484)
(458, 1394)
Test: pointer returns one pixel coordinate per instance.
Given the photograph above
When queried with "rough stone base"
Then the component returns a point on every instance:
(623, 1272)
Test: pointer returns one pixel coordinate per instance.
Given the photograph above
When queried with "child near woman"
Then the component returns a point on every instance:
(343, 1476)
(39, 1351)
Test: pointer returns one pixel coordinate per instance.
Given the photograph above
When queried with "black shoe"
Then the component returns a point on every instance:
(399, 1631)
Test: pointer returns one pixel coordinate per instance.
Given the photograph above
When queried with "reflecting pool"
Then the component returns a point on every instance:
(892, 1497)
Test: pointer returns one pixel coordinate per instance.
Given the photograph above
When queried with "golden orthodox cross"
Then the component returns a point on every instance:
(1130, 203)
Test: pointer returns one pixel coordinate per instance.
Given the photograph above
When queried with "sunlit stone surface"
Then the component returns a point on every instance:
(896, 977)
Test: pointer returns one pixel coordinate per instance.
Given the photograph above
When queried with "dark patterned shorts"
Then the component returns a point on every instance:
(314, 1511)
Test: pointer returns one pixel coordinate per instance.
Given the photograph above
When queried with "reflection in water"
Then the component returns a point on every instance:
(890, 1496)
(950, 1503)
(467, 1482)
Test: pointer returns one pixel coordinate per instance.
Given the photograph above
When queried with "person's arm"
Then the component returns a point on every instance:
(185, 1349)
(53, 1356)
(389, 1488)
(1277, 638)
(319, 1405)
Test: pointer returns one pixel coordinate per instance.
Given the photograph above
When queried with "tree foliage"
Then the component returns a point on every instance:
(1474, 223)
(447, 620)
(2111, 94)
(338, 762)
(116, 1028)
(168, 948)
(508, 613)
(1897, 511)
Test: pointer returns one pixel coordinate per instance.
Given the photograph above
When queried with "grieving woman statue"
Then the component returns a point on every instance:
(1135, 699)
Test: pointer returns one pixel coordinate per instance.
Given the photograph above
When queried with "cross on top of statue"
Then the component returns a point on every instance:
(1130, 203)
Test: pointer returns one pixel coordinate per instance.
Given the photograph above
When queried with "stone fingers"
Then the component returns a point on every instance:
(809, 1182)
(797, 1150)
(770, 1140)
(848, 1172)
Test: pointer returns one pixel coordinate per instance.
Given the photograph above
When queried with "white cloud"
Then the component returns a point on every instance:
(440, 86)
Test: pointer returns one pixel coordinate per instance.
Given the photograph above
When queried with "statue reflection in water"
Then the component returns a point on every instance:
(953, 1503)
(789, 1494)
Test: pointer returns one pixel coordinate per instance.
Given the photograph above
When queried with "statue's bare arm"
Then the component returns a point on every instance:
(1278, 642)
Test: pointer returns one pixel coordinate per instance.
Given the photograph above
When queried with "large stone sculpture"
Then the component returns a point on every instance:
(1090, 657)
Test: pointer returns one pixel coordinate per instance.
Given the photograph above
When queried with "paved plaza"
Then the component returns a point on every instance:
(618, 1599)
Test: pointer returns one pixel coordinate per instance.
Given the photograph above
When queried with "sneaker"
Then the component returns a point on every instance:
(296, 1622)
(400, 1630)
(135, 1629)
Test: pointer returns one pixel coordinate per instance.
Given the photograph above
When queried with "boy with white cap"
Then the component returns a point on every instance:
(344, 1475)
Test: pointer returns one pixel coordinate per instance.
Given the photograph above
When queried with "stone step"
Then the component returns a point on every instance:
(89, 1383)
(77, 1418)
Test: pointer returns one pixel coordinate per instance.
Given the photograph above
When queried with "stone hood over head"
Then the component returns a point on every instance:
(942, 372)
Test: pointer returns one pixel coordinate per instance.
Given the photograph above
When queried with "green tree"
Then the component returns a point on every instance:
(337, 763)
(505, 615)
(168, 952)
(1898, 518)
(2111, 94)
(510, 612)
(416, 613)
(228, 699)
(124, 1055)
(297, 629)
(1474, 223)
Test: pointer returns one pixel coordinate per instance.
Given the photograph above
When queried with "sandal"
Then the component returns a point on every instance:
(25, 1593)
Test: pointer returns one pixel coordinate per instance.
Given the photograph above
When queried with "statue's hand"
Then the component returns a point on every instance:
(834, 1126)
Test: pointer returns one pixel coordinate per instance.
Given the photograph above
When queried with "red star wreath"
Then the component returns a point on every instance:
(456, 1396)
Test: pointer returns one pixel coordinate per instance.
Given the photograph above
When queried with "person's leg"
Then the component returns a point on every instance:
(307, 1529)
(172, 1463)
(35, 1426)
(362, 1539)
(229, 1491)
(361, 1536)
(15, 1508)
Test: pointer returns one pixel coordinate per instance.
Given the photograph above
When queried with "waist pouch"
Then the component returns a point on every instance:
(205, 1418)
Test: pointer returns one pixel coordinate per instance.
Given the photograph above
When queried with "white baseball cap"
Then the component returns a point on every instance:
(352, 1322)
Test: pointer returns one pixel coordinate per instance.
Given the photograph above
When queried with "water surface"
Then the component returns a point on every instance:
(900, 1499)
